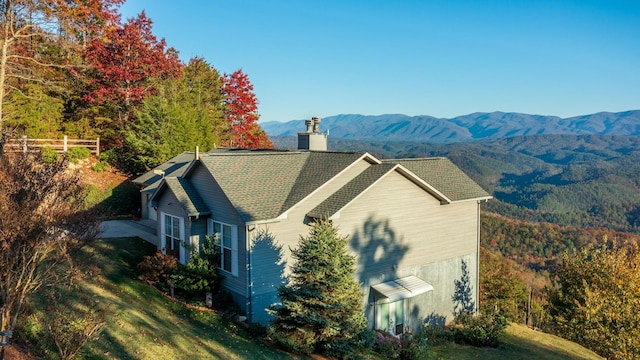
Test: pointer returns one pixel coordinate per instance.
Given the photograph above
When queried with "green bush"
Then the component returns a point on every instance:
(200, 275)
(109, 156)
(480, 330)
(48, 155)
(76, 154)
(99, 166)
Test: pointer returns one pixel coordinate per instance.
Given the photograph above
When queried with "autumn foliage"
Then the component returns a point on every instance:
(597, 301)
(241, 110)
(125, 62)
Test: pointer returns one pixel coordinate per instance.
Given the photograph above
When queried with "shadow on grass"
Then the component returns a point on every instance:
(143, 323)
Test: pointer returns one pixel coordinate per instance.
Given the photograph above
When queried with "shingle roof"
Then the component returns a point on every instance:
(444, 176)
(263, 185)
(350, 191)
(257, 184)
(176, 166)
(189, 198)
(319, 168)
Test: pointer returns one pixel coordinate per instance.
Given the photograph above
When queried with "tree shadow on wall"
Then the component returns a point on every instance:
(267, 270)
(463, 294)
(378, 247)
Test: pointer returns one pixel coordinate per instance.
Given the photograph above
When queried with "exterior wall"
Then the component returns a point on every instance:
(223, 211)
(396, 229)
(267, 264)
(169, 204)
(197, 233)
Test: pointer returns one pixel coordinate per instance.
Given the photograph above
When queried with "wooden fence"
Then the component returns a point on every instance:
(60, 145)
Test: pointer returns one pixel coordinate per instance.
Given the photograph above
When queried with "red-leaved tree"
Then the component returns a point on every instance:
(126, 61)
(241, 110)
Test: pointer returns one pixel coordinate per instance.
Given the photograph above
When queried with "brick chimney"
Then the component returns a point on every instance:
(312, 139)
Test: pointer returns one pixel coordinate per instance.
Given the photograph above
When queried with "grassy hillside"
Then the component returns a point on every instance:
(519, 342)
(142, 323)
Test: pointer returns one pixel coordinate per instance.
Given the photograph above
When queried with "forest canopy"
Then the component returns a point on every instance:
(77, 68)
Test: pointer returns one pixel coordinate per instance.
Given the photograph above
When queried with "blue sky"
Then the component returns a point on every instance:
(438, 58)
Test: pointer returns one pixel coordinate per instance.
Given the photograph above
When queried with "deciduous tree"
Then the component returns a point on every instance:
(41, 223)
(241, 110)
(597, 301)
(126, 61)
(39, 39)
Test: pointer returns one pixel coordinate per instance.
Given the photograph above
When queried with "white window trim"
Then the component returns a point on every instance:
(234, 246)
(163, 235)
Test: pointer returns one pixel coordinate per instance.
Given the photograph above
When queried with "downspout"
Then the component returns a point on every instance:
(249, 304)
(478, 263)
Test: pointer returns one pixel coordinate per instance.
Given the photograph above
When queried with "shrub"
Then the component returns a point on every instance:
(200, 274)
(480, 330)
(406, 347)
(436, 334)
(48, 155)
(157, 269)
(99, 166)
(75, 154)
(109, 156)
(387, 345)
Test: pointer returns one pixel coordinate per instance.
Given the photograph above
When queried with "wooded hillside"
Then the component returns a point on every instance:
(76, 68)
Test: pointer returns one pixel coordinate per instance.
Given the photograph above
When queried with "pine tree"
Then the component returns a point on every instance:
(321, 306)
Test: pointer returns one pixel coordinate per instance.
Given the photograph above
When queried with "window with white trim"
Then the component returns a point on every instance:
(226, 241)
(172, 235)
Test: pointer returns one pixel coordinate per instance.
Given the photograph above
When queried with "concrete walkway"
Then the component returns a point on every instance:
(145, 229)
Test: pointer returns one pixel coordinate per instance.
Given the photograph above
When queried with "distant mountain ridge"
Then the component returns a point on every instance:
(476, 126)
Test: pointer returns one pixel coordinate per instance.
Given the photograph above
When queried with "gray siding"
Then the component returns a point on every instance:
(396, 229)
(169, 204)
(222, 210)
(266, 266)
(198, 232)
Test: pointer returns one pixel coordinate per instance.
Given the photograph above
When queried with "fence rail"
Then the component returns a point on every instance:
(25, 144)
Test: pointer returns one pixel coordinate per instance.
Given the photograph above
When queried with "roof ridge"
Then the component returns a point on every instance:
(417, 159)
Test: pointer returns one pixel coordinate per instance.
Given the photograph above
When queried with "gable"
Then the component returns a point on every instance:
(444, 176)
(185, 194)
(365, 181)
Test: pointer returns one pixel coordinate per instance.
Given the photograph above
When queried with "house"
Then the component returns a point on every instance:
(412, 223)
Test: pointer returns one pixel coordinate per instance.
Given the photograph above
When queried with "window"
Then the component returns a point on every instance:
(226, 242)
(172, 235)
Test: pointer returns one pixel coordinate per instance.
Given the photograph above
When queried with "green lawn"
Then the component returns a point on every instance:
(519, 342)
(142, 323)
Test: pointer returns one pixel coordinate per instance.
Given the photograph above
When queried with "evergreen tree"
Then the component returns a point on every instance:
(321, 306)
(185, 112)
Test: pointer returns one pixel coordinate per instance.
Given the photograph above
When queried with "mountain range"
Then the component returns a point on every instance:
(476, 126)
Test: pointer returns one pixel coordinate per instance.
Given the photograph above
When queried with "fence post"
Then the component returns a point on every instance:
(98, 147)
(65, 144)
(24, 144)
